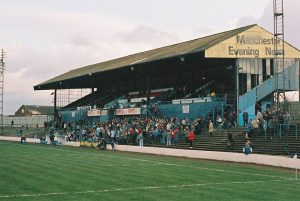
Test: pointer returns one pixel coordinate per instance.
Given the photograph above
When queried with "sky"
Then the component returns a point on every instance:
(45, 38)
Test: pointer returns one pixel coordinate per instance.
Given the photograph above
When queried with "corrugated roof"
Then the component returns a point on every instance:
(188, 47)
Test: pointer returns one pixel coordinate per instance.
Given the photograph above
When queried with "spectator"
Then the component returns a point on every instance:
(248, 148)
(112, 143)
(184, 123)
(287, 119)
(249, 129)
(255, 125)
(265, 127)
(210, 127)
(174, 134)
(21, 130)
(191, 138)
(23, 140)
(168, 137)
(102, 144)
(43, 140)
(219, 122)
(229, 141)
(245, 118)
(259, 115)
(51, 138)
(141, 139)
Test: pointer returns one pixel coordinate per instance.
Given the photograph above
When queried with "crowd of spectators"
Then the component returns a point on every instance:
(269, 121)
(135, 130)
(167, 131)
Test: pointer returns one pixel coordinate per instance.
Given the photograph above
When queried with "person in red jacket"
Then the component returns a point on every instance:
(191, 138)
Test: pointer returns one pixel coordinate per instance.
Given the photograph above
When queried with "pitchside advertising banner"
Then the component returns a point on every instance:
(96, 113)
(128, 111)
(253, 43)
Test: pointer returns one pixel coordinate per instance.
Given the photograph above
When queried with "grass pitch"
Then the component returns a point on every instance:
(42, 172)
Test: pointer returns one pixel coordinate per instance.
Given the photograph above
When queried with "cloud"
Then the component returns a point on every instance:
(41, 44)
(143, 34)
(204, 31)
(291, 14)
(291, 23)
(18, 91)
(44, 41)
(246, 20)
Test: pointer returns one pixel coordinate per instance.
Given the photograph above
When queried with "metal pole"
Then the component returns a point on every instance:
(280, 130)
(237, 94)
(2, 68)
(222, 112)
(55, 106)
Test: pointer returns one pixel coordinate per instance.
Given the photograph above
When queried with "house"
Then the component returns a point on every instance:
(34, 110)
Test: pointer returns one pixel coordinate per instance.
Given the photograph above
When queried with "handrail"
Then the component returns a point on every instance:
(282, 127)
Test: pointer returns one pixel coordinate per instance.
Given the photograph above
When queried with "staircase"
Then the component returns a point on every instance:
(248, 100)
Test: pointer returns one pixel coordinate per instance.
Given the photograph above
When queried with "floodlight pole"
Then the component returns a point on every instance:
(2, 68)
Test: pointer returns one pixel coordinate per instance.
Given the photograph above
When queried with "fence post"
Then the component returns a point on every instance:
(213, 113)
(280, 126)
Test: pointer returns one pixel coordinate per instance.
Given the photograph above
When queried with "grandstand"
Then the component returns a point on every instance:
(206, 67)
(221, 74)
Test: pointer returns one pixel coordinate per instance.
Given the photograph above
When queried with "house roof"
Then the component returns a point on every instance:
(184, 48)
(40, 109)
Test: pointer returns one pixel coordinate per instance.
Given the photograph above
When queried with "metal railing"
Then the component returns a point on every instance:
(281, 130)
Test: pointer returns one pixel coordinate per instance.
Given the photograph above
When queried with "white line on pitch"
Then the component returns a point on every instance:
(143, 188)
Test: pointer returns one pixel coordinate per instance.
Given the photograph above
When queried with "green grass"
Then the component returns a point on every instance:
(41, 172)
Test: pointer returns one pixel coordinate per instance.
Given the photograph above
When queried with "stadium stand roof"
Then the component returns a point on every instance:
(184, 48)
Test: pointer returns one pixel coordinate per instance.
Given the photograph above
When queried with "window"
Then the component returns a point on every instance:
(264, 69)
(271, 67)
(254, 80)
(242, 83)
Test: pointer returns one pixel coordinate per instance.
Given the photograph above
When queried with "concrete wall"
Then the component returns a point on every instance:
(277, 161)
(35, 140)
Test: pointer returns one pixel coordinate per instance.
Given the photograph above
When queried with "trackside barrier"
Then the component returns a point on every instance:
(277, 161)
(36, 141)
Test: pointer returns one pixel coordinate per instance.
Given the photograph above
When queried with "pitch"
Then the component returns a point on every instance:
(42, 172)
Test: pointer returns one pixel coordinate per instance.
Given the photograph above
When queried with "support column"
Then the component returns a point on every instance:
(55, 105)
